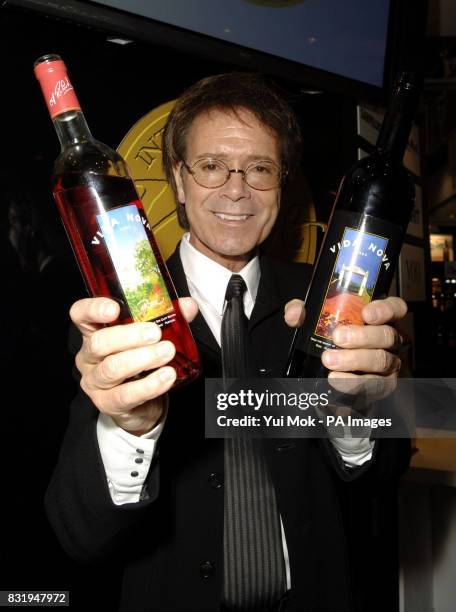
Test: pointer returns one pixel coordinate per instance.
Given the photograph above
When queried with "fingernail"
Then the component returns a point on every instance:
(295, 312)
(372, 315)
(164, 350)
(150, 334)
(341, 336)
(331, 357)
(109, 310)
(166, 374)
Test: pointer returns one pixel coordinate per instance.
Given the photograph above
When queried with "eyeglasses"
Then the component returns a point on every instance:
(213, 173)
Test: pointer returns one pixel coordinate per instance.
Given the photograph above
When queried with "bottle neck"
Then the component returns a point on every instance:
(395, 130)
(71, 128)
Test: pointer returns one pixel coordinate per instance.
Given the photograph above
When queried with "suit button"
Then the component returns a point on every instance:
(206, 569)
(215, 480)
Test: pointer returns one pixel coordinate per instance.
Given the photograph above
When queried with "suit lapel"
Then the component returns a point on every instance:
(268, 300)
(199, 327)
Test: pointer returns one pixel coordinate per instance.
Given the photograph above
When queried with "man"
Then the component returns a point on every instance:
(136, 478)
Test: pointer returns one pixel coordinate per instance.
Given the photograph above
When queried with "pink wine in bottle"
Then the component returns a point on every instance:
(107, 225)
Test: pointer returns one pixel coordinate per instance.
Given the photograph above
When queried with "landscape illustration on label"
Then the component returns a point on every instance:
(360, 256)
(134, 261)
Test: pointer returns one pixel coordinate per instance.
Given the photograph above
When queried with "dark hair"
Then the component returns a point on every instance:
(230, 92)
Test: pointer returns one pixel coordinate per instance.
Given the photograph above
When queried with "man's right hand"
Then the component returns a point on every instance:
(109, 356)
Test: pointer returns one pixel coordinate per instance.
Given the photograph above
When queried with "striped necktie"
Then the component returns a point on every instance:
(254, 567)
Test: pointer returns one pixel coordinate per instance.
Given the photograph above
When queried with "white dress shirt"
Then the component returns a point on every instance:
(127, 458)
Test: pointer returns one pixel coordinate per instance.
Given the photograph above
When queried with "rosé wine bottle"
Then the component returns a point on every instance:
(107, 225)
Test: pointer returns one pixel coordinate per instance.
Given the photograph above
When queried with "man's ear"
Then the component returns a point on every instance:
(177, 172)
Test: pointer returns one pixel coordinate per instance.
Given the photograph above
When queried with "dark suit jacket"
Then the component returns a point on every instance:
(171, 542)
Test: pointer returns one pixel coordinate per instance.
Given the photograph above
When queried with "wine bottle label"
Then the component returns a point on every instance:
(57, 88)
(356, 265)
(123, 231)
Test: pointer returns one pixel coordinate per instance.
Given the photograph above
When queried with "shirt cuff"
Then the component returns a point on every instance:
(354, 451)
(126, 458)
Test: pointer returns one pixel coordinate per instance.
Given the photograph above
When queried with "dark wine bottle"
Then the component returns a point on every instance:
(106, 223)
(365, 232)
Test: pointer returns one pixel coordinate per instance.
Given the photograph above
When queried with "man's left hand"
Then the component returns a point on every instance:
(366, 348)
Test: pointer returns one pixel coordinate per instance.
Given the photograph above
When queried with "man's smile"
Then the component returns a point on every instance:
(230, 217)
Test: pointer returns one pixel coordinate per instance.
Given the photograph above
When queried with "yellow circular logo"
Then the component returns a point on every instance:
(142, 150)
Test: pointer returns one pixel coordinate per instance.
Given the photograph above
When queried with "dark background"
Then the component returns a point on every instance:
(116, 85)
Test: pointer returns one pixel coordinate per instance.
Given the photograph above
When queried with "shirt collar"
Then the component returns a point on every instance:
(210, 279)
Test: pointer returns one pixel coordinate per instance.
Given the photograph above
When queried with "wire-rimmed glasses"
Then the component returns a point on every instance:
(212, 173)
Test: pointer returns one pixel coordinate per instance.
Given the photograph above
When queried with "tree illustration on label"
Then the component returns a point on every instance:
(351, 287)
(135, 263)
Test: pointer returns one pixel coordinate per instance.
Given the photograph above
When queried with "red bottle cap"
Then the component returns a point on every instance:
(57, 89)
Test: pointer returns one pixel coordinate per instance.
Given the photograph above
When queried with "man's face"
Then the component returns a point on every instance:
(228, 222)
